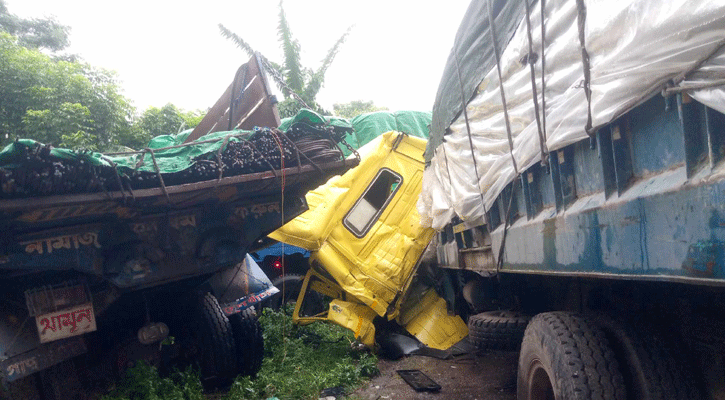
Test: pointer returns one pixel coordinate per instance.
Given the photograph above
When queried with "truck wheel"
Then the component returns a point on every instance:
(248, 338)
(650, 370)
(497, 330)
(564, 356)
(289, 288)
(214, 341)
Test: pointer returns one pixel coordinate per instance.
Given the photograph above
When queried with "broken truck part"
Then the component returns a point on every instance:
(366, 244)
(576, 180)
(108, 255)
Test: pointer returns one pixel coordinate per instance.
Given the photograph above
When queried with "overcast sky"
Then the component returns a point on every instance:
(171, 52)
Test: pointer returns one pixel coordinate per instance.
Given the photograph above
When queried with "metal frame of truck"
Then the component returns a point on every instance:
(603, 260)
(80, 271)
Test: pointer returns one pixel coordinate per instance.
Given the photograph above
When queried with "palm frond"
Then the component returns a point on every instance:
(291, 48)
(236, 39)
(318, 78)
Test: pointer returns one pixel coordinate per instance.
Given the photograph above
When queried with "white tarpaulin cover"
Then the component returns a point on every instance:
(636, 48)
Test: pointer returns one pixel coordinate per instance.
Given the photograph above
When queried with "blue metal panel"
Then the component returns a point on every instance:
(588, 175)
(657, 142)
(661, 224)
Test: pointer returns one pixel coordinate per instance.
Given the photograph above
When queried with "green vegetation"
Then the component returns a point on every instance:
(298, 84)
(62, 101)
(300, 361)
(354, 108)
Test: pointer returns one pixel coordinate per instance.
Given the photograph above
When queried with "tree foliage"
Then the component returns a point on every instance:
(300, 85)
(62, 101)
(46, 98)
(155, 121)
(35, 33)
(354, 108)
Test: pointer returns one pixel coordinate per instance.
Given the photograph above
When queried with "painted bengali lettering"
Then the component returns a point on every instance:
(22, 367)
(258, 209)
(62, 242)
(144, 227)
(66, 323)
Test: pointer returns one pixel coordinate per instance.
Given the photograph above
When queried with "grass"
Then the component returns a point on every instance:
(300, 361)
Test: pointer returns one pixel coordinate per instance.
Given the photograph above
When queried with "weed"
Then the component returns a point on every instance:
(300, 361)
(143, 382)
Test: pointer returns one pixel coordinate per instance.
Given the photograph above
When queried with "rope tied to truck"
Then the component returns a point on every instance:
(491, 30)
(581, 24)
(531, 60)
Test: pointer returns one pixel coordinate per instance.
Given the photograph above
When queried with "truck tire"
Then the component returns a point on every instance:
(565, 357)
(289, 289)
(249, 342)
(650, 370)
(497, 330)
(215, 342)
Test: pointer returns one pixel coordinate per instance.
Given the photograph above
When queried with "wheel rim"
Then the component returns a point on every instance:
(539, 383)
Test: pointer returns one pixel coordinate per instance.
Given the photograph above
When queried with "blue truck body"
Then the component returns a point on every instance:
(576, 177)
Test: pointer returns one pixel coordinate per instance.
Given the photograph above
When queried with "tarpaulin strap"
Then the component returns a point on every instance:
(531, 61)
(448, 170)
(297, 150)
(468, 129)
(274, 171)
(581, 22)
(491, 29)
(543, 69)
(220, 164)
(158, 174)
(506, 220)
(118, 177)
(278, 141)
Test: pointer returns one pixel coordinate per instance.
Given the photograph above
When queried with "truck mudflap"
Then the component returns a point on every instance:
(241, 286)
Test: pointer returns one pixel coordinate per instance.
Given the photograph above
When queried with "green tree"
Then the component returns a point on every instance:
(35, 33)
(298, 84)
(45, 98)
(166, 120)
(355, 108)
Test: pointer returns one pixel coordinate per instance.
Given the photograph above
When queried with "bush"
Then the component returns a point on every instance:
(300, 361)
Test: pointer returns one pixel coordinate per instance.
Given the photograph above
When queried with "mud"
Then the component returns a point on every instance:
(482, 376)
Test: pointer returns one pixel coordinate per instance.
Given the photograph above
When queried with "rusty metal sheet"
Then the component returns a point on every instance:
(247, 101)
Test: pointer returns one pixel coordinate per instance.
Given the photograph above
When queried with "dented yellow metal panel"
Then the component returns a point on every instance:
(364, 230)
(356, 317)
(427, 319)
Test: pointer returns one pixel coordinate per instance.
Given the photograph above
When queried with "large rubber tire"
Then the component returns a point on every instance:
(497, 330)
(213, 335)
(566, 357)
(249, 342)
(289, 289)
(650, 370)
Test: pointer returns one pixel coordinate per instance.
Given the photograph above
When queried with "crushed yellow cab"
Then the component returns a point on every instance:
(363, 232)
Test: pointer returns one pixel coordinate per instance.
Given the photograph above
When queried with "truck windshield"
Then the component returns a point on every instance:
(368, 208)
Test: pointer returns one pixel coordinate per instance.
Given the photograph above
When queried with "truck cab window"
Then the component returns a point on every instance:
(368, 208)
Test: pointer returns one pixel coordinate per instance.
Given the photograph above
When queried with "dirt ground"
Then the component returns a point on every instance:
(482, 376)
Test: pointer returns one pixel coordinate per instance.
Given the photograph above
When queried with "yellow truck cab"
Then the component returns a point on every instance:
(364, 235)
